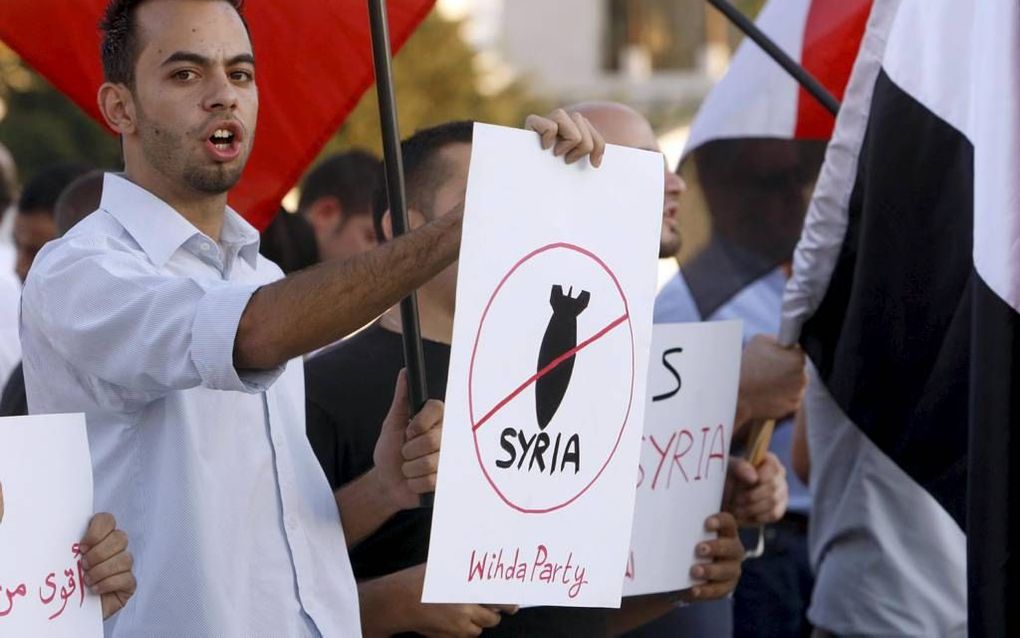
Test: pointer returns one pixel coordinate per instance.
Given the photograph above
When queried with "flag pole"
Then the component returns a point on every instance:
(414, 355)
(799, 73)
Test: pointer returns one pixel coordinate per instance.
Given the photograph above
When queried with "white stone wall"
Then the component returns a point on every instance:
(558, 46)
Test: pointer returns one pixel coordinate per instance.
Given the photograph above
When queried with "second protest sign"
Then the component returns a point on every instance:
(692, 397)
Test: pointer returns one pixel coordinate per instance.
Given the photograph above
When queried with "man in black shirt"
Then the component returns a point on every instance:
(349, 389)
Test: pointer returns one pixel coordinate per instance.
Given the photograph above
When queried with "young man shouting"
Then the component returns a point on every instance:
(157, 318)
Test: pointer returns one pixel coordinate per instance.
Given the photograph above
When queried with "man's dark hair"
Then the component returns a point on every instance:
(424, 170)
(39, 196)
(120, 47)
(351, 177)
(80, 199)
(289, 242)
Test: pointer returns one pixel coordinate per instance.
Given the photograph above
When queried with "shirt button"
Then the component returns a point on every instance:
(204, 248)
(292, 523)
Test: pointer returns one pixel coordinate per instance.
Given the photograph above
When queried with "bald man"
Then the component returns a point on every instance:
(771, 385)
(623, 126)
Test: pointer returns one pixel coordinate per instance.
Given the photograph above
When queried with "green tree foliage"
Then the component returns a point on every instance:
(41, 127)
(437, 79)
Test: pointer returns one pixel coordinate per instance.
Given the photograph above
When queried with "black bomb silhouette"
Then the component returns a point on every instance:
(560, 338)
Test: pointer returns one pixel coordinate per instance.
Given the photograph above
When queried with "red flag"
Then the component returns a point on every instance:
(315, 62)
(832, 37)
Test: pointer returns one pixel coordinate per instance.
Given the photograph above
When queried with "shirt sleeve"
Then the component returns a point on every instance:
(136, 332)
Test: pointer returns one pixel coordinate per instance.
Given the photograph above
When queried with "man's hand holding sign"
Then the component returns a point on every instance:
(406, 459)
(55, 581)
(685, 465)
(686, 474)
(546, 386)
(570, 135)
(107, 563)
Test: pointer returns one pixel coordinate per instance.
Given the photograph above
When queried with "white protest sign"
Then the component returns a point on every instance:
(692, 398)
(545, 398)
(46, 479)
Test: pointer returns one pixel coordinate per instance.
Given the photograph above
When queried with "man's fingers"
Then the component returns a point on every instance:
(116, 564)
(122, 583)
(422, 445)
(770, 468)
(720, 549)
(484, 617)
(725, 553)
(430, 416)
(115, 601)
(420, 467)
(763, 492)
(119, 582)
(545, 128)
(101, 526)
(567, 134)
(586, 145)
(506, 609)
(114, 543)
(756, 512)
(766, 510)
(743, 471)
(422, 485)
(571, 135)
(718, 571)
(723, 523)
(400, 412)
(711, 591)
(599, 150)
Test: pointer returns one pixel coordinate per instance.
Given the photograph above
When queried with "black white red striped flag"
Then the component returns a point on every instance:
(906, 284)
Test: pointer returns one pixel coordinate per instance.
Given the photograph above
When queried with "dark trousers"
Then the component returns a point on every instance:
(711, 619)
(774, 591)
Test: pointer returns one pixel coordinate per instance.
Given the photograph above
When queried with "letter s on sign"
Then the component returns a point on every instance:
(504, 442)
(672, 370)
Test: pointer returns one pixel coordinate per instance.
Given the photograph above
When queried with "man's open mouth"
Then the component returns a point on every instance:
(222, 139)
(224, 142)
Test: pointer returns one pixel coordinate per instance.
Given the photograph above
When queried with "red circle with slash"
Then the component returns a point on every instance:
(477, 422)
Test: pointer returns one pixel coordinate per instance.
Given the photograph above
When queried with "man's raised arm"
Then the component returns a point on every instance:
(320, 305)
(333, 299)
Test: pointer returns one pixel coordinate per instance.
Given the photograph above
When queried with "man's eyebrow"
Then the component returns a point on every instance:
(201, 60)
(186, 56)
(244, 58)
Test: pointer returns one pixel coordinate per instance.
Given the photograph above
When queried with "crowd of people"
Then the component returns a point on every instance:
(256, 466)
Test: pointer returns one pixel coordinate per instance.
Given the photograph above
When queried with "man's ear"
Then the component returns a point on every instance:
(415, 219)
(118, 108)
(324, 215)
(387, 225)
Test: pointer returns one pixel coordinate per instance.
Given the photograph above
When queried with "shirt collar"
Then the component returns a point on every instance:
(160, 230)
(238, 232)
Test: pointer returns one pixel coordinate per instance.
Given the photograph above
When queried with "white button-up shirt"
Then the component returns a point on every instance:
(131, 318)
